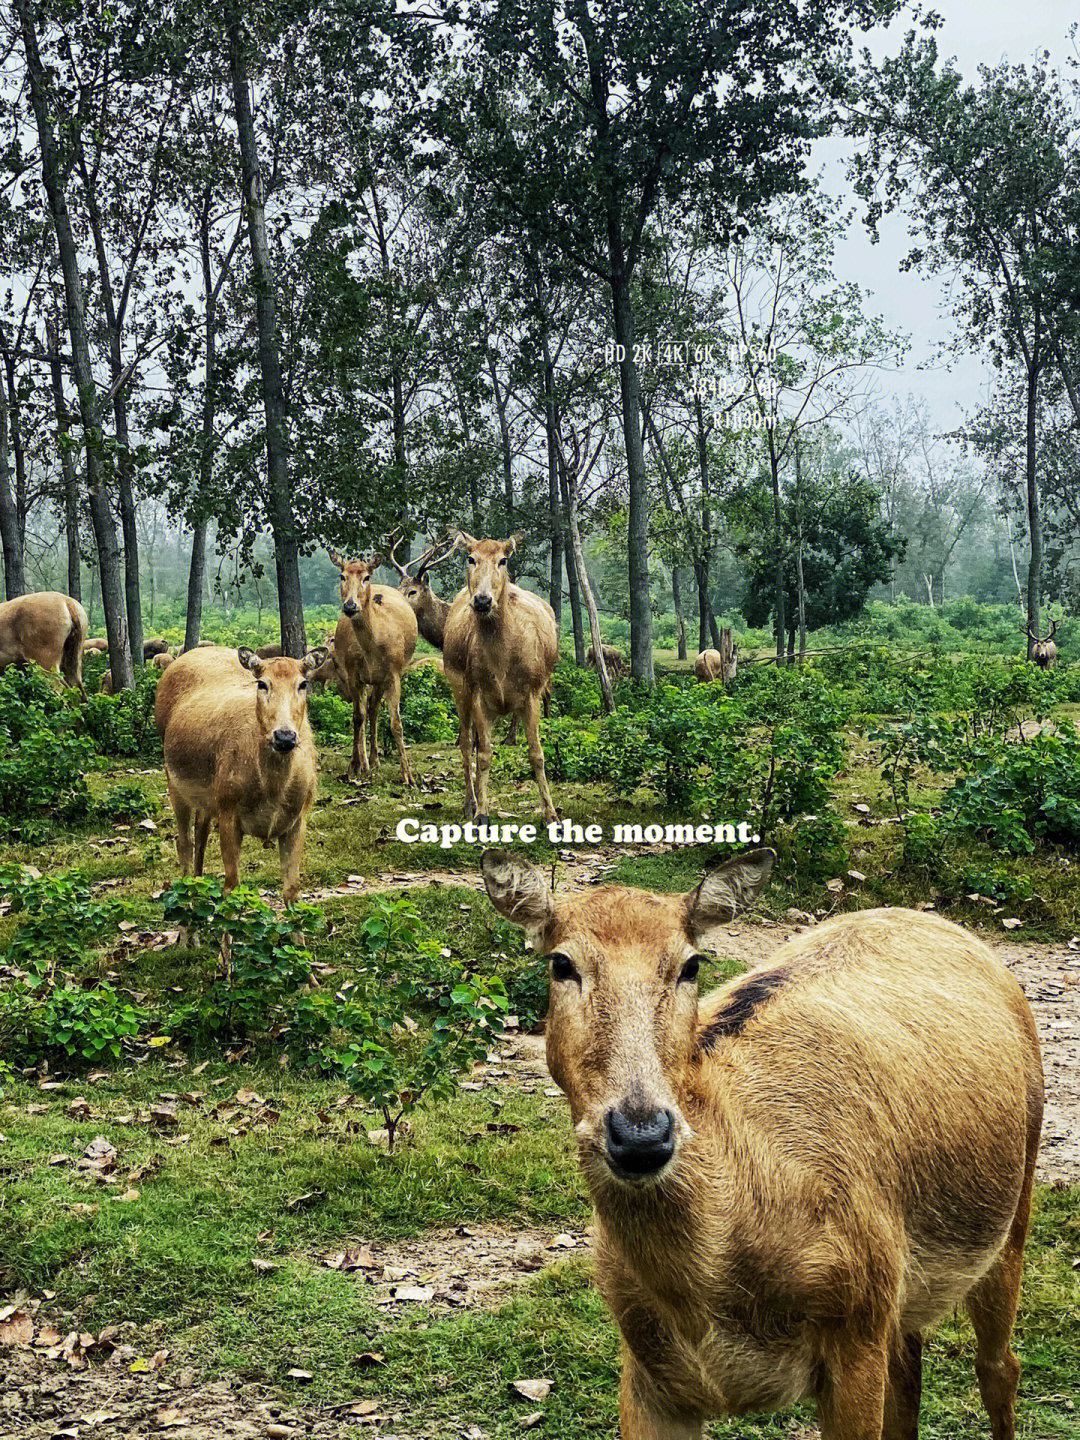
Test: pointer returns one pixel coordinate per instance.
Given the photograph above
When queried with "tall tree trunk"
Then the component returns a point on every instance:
(701, 584)
(680, 624)
(67, 461)
(800, 579)
(17, 450)
(1035, 538)
(393, 330)
(282, 520)
(555, 571)
(641, 656)
(779, 599)
(505, 445)
(100, 513)
(587, 594)
(573, 583)
(10, 532)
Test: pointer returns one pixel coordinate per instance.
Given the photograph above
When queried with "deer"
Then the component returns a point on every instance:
(238, 749)
(47, 628)
(1043, 652)
(373, 644)
(614, 659)
(719, 664)
(798, 1173)
(154, 647)
(500, 649)
(97, 645)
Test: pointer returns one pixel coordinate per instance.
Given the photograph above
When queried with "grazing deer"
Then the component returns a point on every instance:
(47, 628)
(795, 1175)
(719, 664)
(500, 649)
(96, 646)
(373, 643)
(163, 660)
(614, 659)
(238, 750)
(1043, 652)
(154, 647)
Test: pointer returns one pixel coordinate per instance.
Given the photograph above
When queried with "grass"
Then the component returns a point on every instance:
(215, 1193)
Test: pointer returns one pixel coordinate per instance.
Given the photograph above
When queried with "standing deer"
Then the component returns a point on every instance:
(430, 611)
(501, 646)
(719, 664)
(1043, 652)
(797, 1174)
(373, 643)
(47, 628)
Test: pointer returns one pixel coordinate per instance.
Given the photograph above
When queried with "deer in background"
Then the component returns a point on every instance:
(430, 611)
(47, 628)
(500, 648)
(795, 1175)
(373, 643)
(1043, 652)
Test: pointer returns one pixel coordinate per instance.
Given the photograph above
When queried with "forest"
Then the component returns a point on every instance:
(372, 372)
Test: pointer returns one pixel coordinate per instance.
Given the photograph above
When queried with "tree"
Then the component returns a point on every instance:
(581, 119)
(988, 173)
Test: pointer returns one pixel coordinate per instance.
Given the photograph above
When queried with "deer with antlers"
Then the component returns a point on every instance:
(500, 647)
(430, 611)
(1043, 652)
(373, 643)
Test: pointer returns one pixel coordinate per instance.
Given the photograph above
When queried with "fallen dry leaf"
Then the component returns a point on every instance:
(16, 1329)
(534, 1390)
(297, 1374)
(263, 1265)
(169, 1418)
(359, 1258)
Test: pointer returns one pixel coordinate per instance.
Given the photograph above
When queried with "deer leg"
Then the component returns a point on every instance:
(510, 738)
(851, 1402)
(482, 726)
(374, 703)
(202, 834)
(358, 717)
(231, 837)
(640, 1415)
(465, 743)
(992, 1305)
(904, 1389)
(393, 704)
(182, 811)
(536, 756)
(291, 851)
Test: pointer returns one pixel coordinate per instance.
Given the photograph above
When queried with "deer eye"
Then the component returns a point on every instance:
(502, 562)
(472, 560)
(562, 967)
(302, 685)
(263, 685)
(689, 971)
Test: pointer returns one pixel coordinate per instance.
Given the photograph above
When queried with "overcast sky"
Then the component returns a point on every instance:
(974, 32)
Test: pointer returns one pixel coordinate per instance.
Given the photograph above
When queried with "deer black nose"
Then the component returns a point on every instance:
(482, 604)
(349, 607)
(640, 1143)
(284, 740)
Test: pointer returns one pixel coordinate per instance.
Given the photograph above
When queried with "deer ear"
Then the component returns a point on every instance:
(464, 541)
(374, 563)
(727, 891)
(518, 890)
(515, 542)
(249, 660)
(335, 559)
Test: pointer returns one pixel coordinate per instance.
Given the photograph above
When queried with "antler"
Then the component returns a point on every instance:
(392, 542)
(1053, 629)
(434, 555)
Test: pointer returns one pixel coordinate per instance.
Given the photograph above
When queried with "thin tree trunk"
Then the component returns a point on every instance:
(505, 445)
(17, 451)
(573, 580)
(555, 572)
(587, 595)
(10, 534)
(100, 513)
(779, 602)
(282, 521)
(800, 580)
(1034, 518)
(641, 656)
(701, 584)
(67, 461)
(680, 624)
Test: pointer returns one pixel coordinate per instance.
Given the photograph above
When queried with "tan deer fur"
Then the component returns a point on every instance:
(373, 644)
(707, 665)
(96, 646)
(154, 647)
(1044, 652)
(832, 1152)
(499, 652)
(162, 660)
(47, 628)
(238, 750)
(614, 659)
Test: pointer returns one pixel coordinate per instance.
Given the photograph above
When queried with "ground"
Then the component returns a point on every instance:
(236, 1254)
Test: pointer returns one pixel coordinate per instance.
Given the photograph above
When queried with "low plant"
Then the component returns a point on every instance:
(123, 724)
(43, 757)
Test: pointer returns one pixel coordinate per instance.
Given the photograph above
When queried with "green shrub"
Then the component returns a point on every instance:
(330, 716)
(43, 758)
(428, 713)
(123, 725)
(61, 920)
(125, 801)
(1016, 795)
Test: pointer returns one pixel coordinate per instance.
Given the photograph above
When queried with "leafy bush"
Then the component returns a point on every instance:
(125, 801)
(1015, 795)
(123, 725)
(428, 712)
(43, 758)
(62, 920)
(264, 967)
(330, 716)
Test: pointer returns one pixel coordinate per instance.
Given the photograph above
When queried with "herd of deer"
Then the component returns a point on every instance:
(793, 1176)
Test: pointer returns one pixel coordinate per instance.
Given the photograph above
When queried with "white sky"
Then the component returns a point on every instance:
(973, 33)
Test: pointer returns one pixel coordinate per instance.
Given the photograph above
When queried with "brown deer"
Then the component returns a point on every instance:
(797, 1174)
(238, 750)
(154, 647)
(719, 664)
(1043, 652)
(373, 643)
(47, 628)
(96, 646)
(430, 611)
(501, 646)
(614, 659)
(162, 660)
